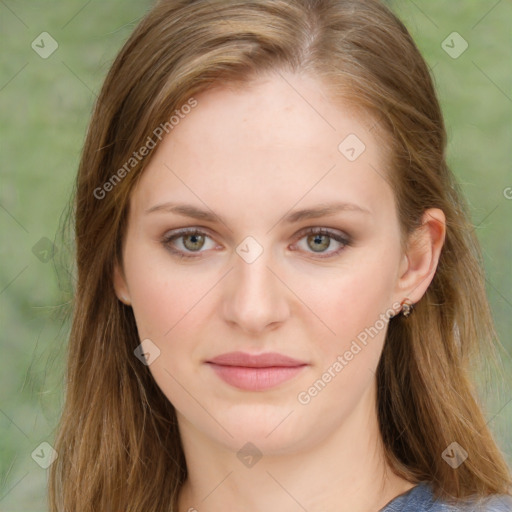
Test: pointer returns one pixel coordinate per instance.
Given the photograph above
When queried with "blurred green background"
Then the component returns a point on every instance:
(45, 104)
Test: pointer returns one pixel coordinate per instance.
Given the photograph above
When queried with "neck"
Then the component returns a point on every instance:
(345, 472)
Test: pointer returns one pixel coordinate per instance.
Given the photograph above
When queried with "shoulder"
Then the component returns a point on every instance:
(490, 504)
(421, 499)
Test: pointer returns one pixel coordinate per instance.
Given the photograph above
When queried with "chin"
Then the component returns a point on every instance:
(272, 430)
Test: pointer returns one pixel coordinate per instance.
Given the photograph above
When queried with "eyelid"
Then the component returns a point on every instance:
(334, 234)
(338, 236)
(176, 234)
(323, 230)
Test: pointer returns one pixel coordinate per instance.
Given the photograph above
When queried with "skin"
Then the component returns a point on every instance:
(252, 156)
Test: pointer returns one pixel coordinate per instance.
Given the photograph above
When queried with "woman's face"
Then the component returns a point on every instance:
(249, 173)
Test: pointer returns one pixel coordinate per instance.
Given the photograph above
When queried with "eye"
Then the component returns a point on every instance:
(189, 242)
(185, 242)
(318, 240)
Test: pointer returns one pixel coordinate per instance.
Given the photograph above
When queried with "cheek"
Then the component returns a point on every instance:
(350, 299)
(169, 308)
(357, 309)
(163, 296)
(355, 303)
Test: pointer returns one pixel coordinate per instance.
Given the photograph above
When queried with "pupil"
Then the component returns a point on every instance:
(321, 242)
(196, 242)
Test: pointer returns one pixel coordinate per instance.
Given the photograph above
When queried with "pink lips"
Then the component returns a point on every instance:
(255, 372)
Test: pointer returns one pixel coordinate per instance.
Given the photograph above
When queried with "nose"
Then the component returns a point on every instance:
(255, 300)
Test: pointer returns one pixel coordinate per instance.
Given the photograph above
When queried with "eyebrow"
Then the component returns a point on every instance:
(188, 210)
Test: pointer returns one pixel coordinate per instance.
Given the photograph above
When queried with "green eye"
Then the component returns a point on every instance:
(319, 242)
(184, 243)
(193, 242)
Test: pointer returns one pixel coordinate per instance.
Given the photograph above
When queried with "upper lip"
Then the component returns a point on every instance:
(266, 360)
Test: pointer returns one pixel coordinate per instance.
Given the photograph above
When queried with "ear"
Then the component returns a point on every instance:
(120, 286)
(419, 264)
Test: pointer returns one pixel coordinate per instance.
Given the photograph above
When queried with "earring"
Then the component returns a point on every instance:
(406, 307)
(125, 300)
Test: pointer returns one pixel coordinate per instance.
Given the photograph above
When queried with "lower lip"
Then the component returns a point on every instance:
(255, 379)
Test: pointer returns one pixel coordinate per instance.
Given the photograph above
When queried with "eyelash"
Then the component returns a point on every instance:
(168, 238)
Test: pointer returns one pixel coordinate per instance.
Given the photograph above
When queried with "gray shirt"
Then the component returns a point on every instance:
(421, 499)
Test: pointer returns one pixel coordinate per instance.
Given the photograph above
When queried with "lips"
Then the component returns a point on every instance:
(255, 372)
(255, 360)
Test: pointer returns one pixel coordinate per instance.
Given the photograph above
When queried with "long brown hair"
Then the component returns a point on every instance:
(118, 441)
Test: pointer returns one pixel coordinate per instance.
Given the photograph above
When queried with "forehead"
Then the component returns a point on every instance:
(279, 137)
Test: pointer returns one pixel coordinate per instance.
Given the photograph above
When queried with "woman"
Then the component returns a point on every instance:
(279, 290)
